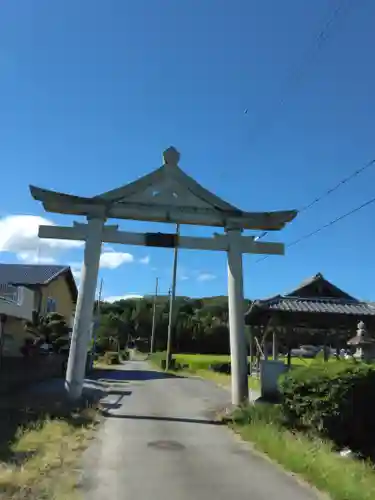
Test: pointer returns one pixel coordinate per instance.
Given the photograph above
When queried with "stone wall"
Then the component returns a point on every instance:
(17, 374)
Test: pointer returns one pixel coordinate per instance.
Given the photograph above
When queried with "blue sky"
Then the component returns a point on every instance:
(92, 92)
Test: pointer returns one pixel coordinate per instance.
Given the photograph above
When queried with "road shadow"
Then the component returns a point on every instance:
(182, 420)
(54, 389)
(113, 405)
(116, 376)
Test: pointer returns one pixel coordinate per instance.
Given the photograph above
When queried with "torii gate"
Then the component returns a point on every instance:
(165, 195)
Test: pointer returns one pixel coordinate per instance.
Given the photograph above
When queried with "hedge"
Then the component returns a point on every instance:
(225, 367)
(337, 400)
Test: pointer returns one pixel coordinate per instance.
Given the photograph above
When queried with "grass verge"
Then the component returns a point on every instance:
(311, 458)
(197, 364)
(42, 459)
(223, 379)
(207, 359)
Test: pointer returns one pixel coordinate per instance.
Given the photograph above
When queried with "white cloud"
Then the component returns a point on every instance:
(206, 277)
(31, 257)
(183, 277)
(111, 260)
(115, 298)
(108, 260)
(145, 260)
(19, 235)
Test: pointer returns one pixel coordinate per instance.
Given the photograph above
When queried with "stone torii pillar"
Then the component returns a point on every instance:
(238, 345)
(75, 373)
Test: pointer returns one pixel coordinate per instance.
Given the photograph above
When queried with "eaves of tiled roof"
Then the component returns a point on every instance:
(316, 305)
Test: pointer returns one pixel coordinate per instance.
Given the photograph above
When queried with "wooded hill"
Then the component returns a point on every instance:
(200, 325)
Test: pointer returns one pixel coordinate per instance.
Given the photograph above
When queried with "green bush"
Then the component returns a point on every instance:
(225, 367)
(111, 358)
(335, 399)
(221, 367)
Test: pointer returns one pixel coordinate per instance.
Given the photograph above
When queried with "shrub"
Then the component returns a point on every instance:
(224, 367)
(221, 367)
(111, 358)
(335, 399)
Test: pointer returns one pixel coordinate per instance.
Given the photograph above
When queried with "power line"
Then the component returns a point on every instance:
(339, 184)
(325, 226)
(297, 72)
(329, 191)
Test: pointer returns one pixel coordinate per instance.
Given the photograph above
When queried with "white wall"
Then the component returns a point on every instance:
(23, 308)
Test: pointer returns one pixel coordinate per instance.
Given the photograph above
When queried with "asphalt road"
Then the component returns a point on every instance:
(159, 441)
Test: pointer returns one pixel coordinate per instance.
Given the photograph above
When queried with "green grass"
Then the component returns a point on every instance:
(207, 359)
(199, 365)
(312, 459)
(52, 450)
(203, 358)
(42, 460)
(225, 380)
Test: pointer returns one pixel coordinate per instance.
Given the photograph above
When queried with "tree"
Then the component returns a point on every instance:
(51, 329)
(201, 325)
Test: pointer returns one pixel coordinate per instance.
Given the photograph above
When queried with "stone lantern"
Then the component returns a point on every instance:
(364, 344)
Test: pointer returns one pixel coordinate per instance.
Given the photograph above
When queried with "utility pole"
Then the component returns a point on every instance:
(97, 316)
(171, 300)
(152, 346)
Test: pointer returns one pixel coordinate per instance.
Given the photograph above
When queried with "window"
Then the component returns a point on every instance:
(51, 305)
(10, 293)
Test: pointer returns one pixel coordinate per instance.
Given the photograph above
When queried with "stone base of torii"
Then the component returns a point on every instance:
(183, 201)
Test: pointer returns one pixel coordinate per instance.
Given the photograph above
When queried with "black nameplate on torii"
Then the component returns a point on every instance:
(161, 240)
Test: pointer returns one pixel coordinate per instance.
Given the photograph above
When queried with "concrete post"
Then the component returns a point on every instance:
(75, 373)
(152, 344)
(251, 350)
(238, 350)
(275, 348)
(171, 320)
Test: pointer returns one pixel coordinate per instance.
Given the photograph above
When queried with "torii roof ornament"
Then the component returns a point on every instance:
(167, 194)
(171, 156)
